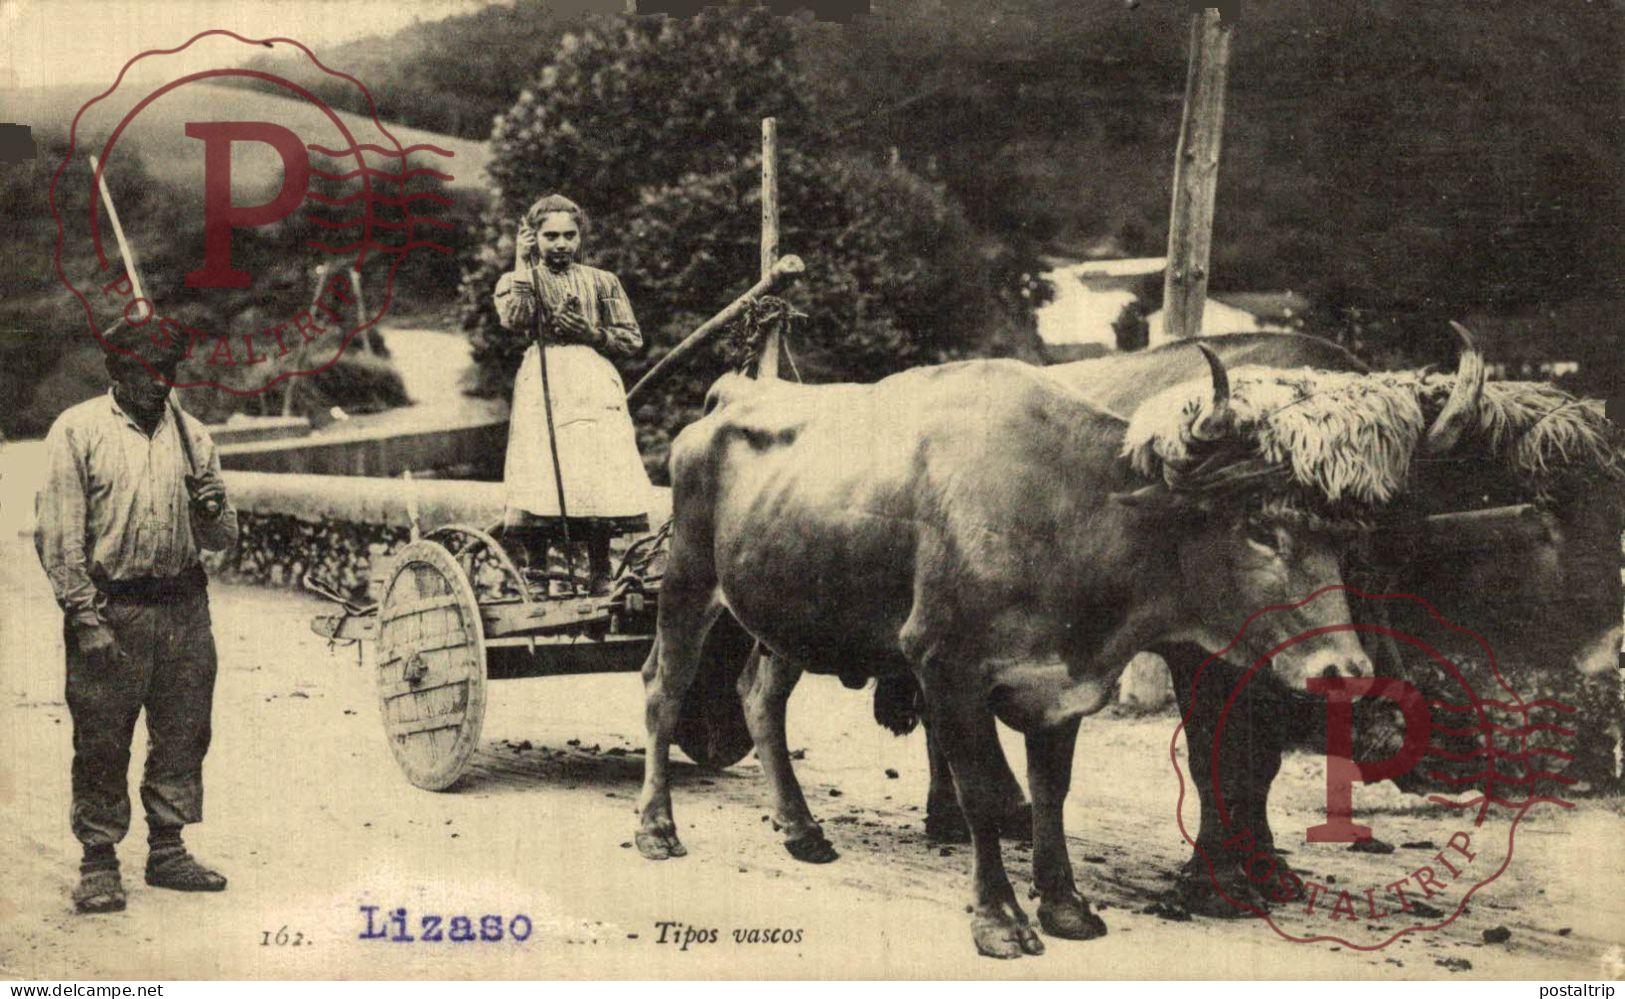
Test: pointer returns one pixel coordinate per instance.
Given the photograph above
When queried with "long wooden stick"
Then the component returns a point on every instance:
(767, 362)
(552, 434)
(118, 232)
(1196, 175)
(787, 267)
(177, 414)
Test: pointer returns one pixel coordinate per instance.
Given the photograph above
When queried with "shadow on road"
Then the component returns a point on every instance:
(503, 766)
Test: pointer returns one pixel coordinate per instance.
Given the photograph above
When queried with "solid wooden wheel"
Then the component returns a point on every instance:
(431, 666)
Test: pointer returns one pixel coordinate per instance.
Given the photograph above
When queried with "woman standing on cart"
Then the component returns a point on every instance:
(577, 315)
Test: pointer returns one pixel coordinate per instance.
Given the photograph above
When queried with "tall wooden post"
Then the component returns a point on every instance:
(767, 365)
(1145, 684)
(1196, 175)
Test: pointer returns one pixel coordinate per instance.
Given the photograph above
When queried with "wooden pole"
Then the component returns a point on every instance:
(1196, 175)
(304, 348)
(126, 251)
(361, 310)
(767, 365)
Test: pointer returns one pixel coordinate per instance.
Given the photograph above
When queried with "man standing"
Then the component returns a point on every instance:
(122, 517)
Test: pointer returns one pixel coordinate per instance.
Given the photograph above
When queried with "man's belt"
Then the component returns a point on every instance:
(156, 589)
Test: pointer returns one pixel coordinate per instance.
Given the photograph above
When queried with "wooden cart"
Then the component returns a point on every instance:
(454, 611)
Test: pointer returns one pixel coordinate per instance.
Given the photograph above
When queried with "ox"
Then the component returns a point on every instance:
(955, 525)
(1120, 383)
(1560, 612)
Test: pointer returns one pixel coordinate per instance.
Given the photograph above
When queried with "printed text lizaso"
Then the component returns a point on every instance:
(396, 926)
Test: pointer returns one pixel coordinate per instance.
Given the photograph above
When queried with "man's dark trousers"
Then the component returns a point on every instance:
(166, 664)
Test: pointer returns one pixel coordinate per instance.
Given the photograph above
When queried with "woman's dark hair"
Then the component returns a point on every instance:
(551, 203)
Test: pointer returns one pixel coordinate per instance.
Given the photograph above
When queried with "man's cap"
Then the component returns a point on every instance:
(146, 341)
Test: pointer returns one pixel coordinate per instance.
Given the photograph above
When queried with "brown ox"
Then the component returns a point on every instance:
(955, 524)
(1561, 612)
(1119, 383)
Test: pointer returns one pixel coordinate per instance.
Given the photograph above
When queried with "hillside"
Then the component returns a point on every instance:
(1397, 163)
(1416, 160)
(48, 358)
(158, 136)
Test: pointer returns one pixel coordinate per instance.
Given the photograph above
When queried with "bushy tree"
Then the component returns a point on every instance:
(623, 104)
(896, 277)
(651, 126)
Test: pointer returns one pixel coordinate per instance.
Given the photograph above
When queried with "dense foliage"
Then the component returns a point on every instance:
(49, 359)
(1397, 163)
(897, 276)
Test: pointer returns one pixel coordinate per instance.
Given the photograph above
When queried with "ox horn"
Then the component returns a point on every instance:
(1214, 425)
(1462, 406)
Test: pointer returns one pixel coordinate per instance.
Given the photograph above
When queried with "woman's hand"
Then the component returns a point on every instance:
(571, 325)
(524, 250)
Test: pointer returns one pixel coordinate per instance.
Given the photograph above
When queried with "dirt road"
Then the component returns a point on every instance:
(308, 816)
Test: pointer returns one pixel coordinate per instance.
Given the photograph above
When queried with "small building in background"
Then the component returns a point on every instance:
(1081, 321)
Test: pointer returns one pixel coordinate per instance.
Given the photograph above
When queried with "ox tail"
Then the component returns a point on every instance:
(897, 703)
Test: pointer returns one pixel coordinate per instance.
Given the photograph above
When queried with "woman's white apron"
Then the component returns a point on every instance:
(598, 448)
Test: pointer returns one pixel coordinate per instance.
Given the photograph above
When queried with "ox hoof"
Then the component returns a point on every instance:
(947, 826)
(1070, 918)
(658, 845)
(812, 848)
(1232, 897)
(1003, 932)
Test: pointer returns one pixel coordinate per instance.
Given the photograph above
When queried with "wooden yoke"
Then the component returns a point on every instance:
(786, 268)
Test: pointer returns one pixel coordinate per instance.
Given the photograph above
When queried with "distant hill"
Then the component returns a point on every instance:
(452, 75)
(48, 359)
(1396, 162)
(1429, 157)
(157, 135)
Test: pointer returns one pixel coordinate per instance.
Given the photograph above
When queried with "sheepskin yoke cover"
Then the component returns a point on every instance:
(1346, 441)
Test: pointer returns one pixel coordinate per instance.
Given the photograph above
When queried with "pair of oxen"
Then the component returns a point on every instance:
(990, 540)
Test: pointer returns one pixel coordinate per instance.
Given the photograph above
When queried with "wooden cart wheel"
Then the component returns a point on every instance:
(711, 728)
(431, 666)
(473, 540)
